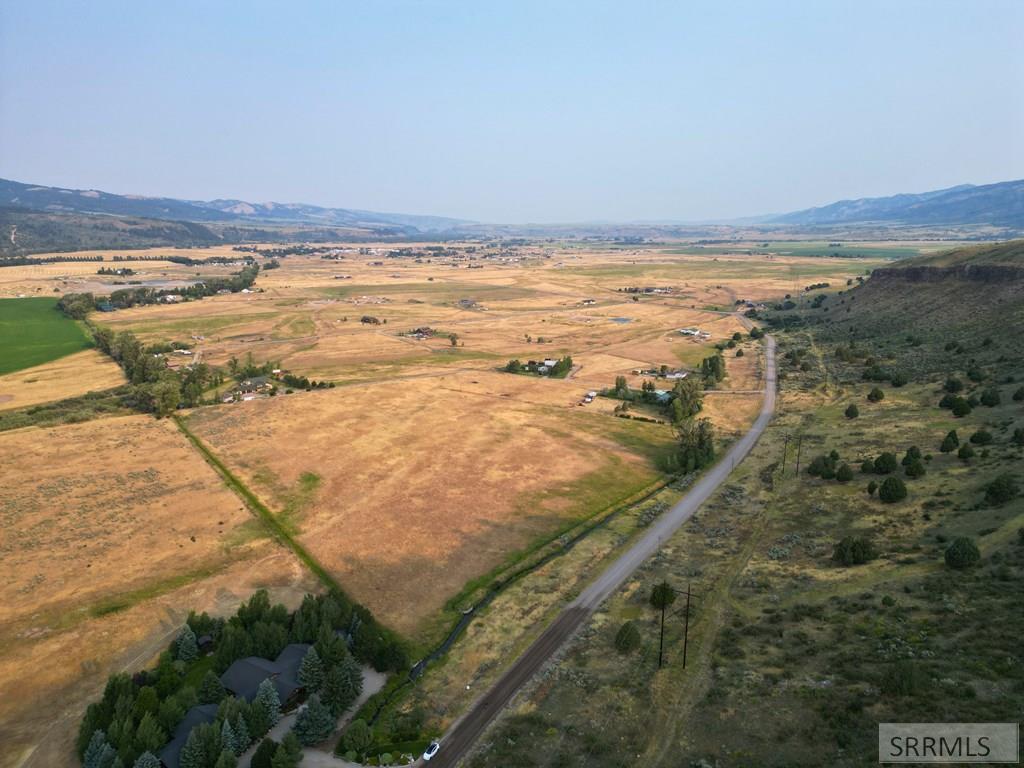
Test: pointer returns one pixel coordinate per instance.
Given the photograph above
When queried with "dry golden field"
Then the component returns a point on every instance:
(424, 468)
(70, 376)
(112, 530)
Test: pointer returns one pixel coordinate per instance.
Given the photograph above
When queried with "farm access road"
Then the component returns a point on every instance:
(460, 738)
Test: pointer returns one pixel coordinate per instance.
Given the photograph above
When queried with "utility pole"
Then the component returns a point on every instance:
(785, 450)
(661, 640)
(686, 625)
(799, 445)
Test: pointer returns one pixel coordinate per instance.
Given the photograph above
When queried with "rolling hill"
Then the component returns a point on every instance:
(57, 200)
(1000, 204)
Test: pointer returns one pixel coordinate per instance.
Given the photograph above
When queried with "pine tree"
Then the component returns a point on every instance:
(149, 736)
(228, 740)
(258, 720)
(292, 747)
(267, 696)
(108, 758)
(314, 723)
(147, 760)
(950, 442)
(211, 690)
(193, 754)
(242, 737)
(91, 758)
(188, 648)
(227, 759)
(264, 754)
(311, 671)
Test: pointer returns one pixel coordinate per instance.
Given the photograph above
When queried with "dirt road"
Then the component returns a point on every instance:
(464, 733)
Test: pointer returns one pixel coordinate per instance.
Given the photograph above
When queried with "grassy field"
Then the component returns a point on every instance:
(33, 331)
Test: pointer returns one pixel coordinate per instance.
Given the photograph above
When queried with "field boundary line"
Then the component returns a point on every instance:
(260, 510)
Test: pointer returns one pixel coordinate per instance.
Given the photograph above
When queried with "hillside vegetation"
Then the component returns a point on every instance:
(856, 587)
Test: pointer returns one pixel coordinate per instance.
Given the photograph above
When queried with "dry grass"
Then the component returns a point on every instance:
(427, 485)
(71, 376)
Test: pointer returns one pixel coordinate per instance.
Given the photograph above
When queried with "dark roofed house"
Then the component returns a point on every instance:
(170, 755)
(243, 678)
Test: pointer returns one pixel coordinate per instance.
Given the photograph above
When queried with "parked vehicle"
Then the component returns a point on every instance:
(431, 750)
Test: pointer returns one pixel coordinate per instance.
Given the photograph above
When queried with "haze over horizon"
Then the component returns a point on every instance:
(514, 114)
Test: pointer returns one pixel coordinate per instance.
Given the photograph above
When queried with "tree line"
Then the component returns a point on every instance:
(132, 721)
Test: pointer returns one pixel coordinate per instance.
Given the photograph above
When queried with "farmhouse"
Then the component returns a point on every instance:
(243, 678)
(170, 755)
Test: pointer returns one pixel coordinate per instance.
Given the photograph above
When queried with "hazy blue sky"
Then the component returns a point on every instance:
(518, 111)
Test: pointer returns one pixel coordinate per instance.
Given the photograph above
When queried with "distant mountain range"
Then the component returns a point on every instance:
(36, 218)
(90, 201)
(1000, 205)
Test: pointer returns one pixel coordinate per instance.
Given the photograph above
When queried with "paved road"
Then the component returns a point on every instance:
(464, 733)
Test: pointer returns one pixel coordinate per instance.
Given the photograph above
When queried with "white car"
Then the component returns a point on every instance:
(431, 750)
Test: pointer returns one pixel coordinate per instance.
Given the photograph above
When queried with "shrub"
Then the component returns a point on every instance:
(886, 464)
(627, 639)
(844, 474)
(904, 678)
(1018, 436)
(913, 454)
(949, 442)
(966, 452)
(899, 379)
(872, 487)
(990, 397)
(953, 385)
(1001, 490)
(876, 395)
(892, 490)
(961, 407)
(852, 411)
(915, 469)
(947, 401)
(1018, 395)
(962, 553)
(853, 550)
(982, 437)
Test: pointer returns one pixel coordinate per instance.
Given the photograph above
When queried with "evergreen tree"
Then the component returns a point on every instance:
(242, 737)
(188, 647)
(966, 452)
(844, 474)
(258, 720)
(357, 737)
(147, 760)
(892, 490)
(193, 754)
(149, 736)
(226, 759)
(211, 690)
(876, 395)
(311, 671)
(266, 694)
(228, 740)
(950, 442)
(852, 411)
(147, 701)
(91, 756)
(264, 754)
(109, 758)
(314, 722)
(962, 553)
(91, 722)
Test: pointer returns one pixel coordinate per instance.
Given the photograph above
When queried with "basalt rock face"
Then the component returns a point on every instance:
(999, 274)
